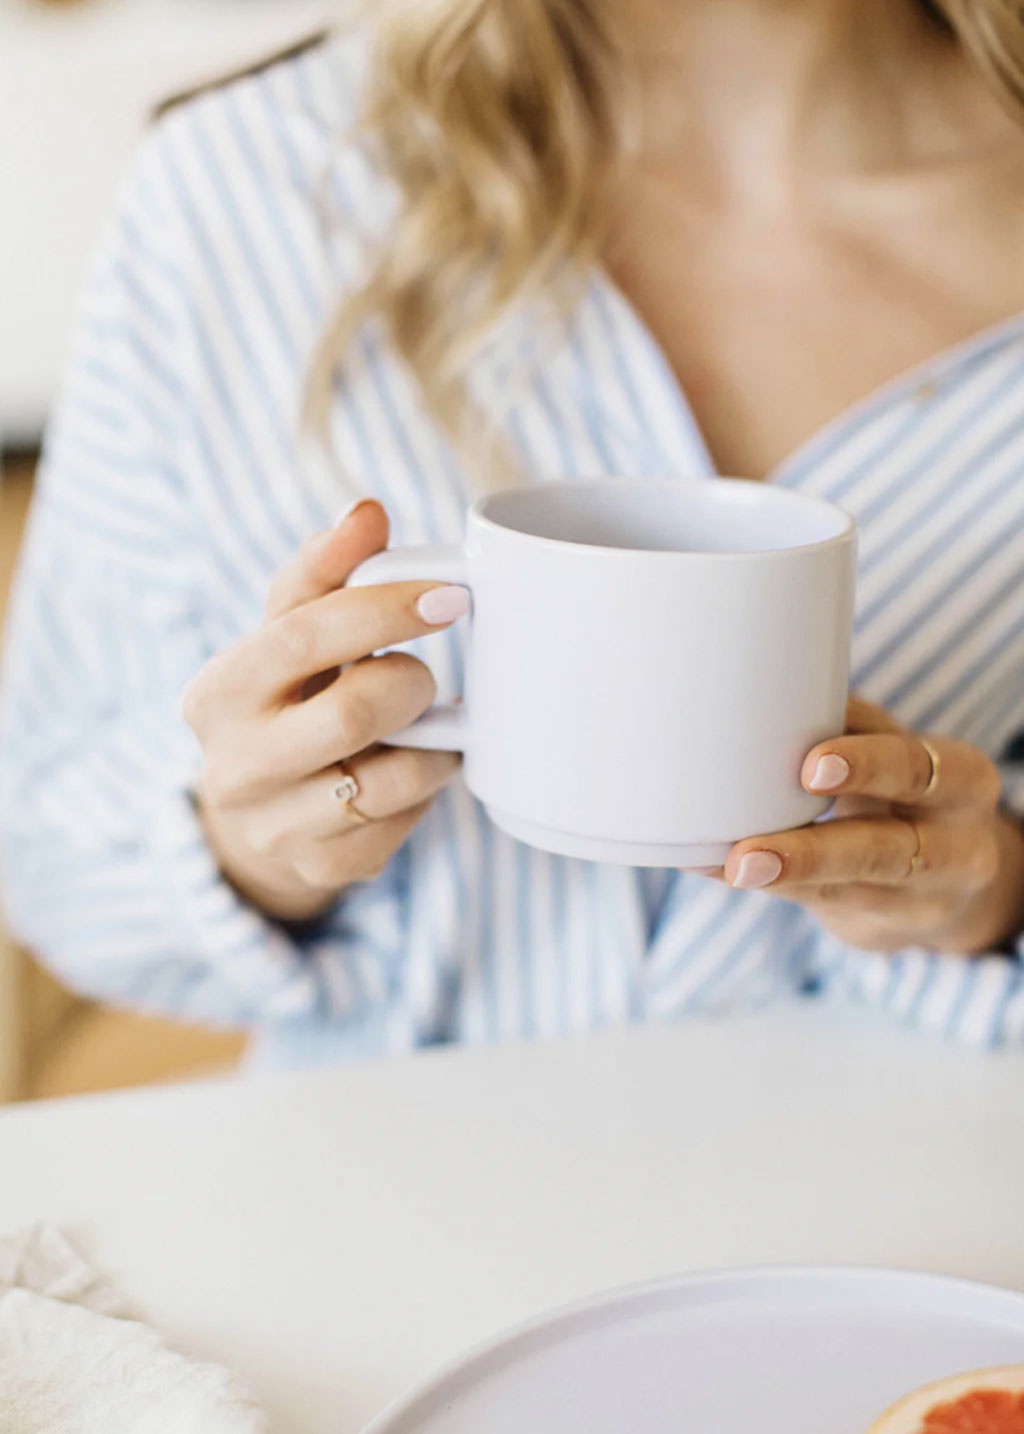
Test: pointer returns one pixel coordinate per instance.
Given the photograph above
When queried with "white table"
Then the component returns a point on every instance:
(334, 1236)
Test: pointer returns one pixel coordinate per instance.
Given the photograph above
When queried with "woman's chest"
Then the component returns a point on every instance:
(775, 329)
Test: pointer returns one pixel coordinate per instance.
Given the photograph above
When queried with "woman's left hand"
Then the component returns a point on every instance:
(918, 852)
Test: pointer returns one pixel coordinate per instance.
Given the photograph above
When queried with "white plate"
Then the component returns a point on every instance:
(779, 1351)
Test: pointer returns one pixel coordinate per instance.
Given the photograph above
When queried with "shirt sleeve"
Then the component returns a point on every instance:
(107, 874)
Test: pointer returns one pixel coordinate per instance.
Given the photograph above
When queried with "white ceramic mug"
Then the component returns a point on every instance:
(649, 662)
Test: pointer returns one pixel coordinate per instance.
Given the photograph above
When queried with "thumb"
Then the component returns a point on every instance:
(326, 561)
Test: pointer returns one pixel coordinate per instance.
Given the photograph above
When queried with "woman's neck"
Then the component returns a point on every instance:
(762, 96)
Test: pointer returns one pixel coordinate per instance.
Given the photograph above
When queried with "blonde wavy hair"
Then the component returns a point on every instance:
(502, 122)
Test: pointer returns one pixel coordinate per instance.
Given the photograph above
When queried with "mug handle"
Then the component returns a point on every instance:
(445, 726)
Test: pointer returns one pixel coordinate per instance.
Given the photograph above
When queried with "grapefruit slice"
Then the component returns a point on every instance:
(989, 1401)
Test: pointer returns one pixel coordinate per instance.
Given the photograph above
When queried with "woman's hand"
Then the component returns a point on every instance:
(918, 854)
(276, 715)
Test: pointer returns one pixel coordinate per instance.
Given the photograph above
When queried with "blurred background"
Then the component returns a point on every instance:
(79, 80)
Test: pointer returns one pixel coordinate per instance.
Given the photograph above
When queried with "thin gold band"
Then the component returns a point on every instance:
(345, 794)
(918, 857)
(936, 761)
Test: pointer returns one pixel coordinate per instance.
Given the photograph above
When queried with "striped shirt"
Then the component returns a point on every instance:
(175, 482)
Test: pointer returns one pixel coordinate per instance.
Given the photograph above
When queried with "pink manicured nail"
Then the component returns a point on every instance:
(831, 772)
(441, 605)
(758, 868)
(344, 517)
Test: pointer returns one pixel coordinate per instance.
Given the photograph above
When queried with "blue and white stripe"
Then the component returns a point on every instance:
(175, 483)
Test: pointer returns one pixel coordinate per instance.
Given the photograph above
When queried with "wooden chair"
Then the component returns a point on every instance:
(12, 1028)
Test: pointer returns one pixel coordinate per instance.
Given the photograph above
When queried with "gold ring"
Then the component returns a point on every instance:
(345, 794)
(918, 857)
(936, 761)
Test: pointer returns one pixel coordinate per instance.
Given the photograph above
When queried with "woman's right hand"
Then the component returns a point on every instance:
(277, 713)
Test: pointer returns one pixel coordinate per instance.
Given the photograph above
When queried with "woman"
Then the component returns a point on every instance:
(654, 237)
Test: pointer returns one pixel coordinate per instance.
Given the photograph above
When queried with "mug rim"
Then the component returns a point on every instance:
(480, 516)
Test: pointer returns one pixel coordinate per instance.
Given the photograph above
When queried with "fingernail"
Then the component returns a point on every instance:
(831, 772)
(344, 517)
(441, 605)
(758, 868)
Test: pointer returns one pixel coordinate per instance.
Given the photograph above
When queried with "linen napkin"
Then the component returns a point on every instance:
(73, 1361)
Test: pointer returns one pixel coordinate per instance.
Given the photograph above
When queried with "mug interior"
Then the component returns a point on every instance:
(728, 515)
